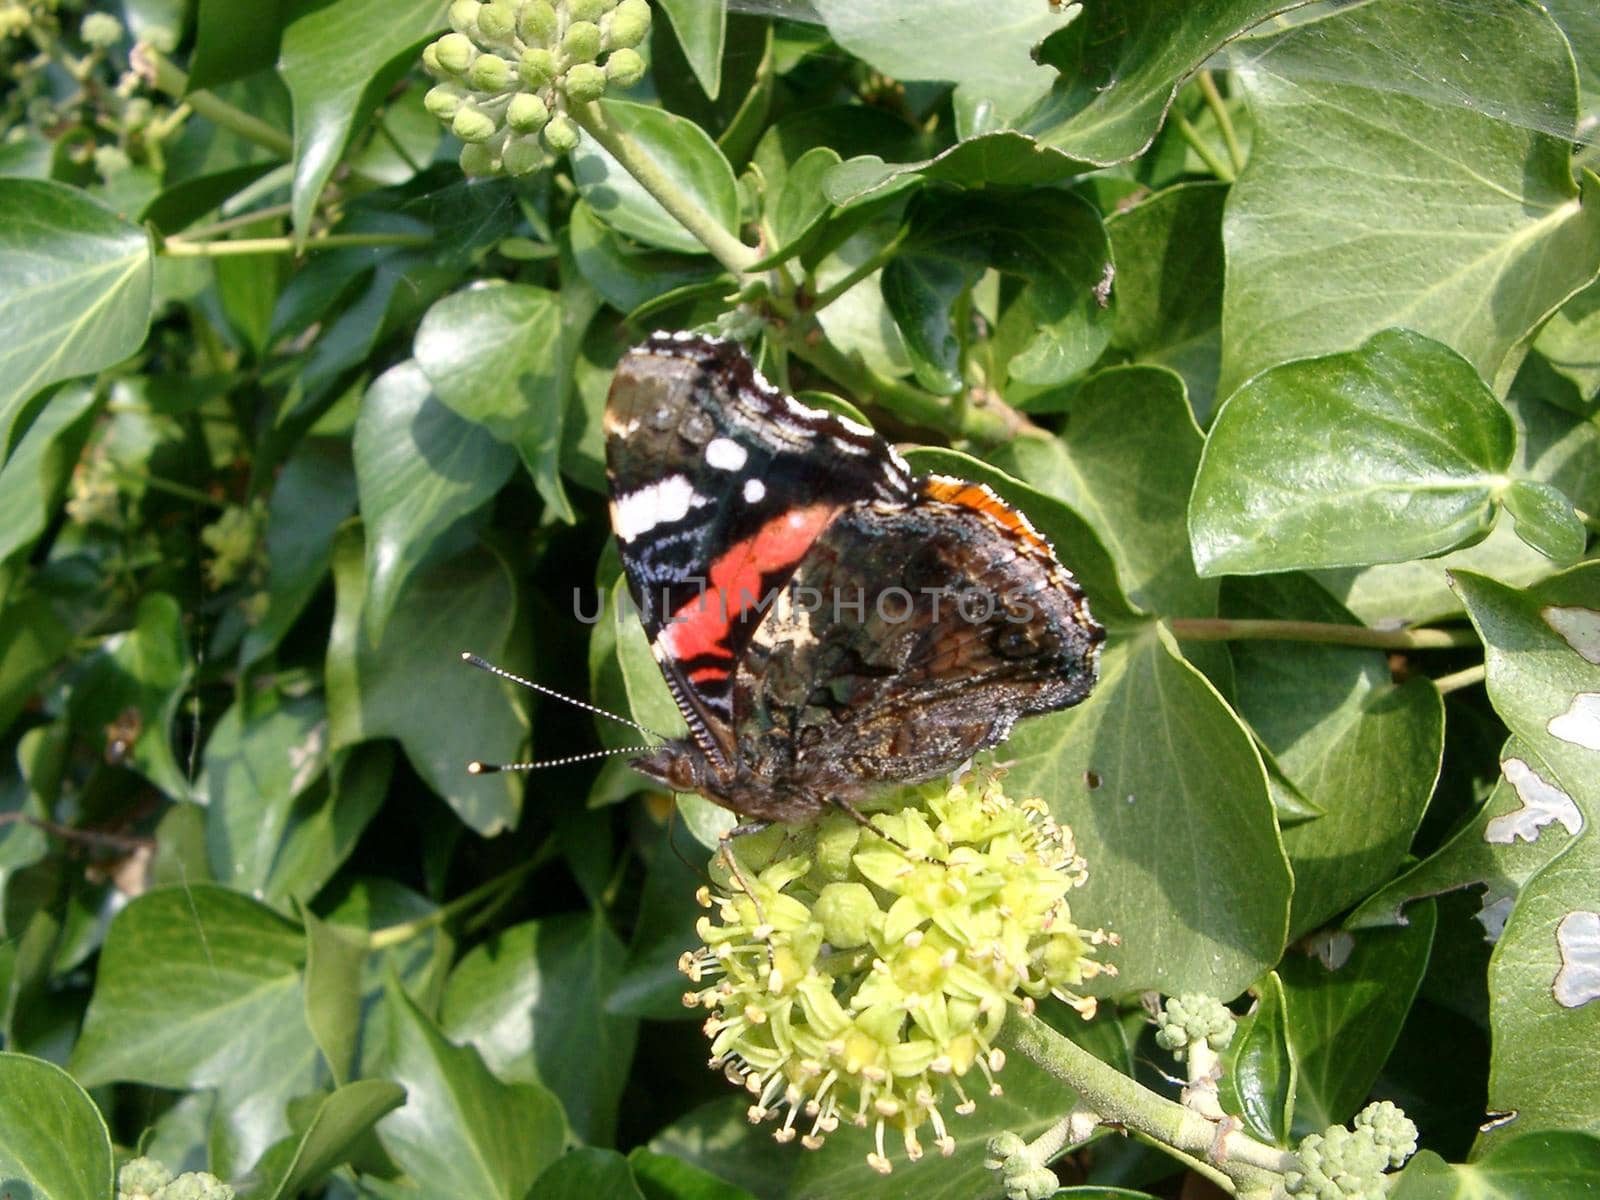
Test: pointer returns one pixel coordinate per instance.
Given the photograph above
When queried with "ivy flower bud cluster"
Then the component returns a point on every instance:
(512, 69)
(1189, 1019)
(236, 540)
(1349, 1164)
(148, 1179)
(854, 978)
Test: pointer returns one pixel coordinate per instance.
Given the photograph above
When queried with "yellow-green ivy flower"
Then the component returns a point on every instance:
(851, 978)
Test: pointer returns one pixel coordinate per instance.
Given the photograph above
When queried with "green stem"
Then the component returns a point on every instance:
(684, 208)
(231, 223)
(1219, 110)
(1191, 135)
(1468, 677)
(1222, 629)
(157, 484)
(393, 935)
(1589, 519)
(875, 263)
(1118, 1100)
(990, 424)
(174, 81)
(177, 247)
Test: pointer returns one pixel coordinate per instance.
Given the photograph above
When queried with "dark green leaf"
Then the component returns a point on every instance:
(80, 295)
(1000, 159)
(1344, 1019)
(801, 203)
(461, 1131)
(679, 148)
(587, 1173)
(338, 60)
(1308, 464)
(1549, 1166)
(532, 1001)
(1320, 256)
(1571, 341)
(334, 958)
(55, 1146)
(32, 639)
(32, 478)
(628, 275)
(1174, 820)
(663, 1177)
(651, 984)
(412, 685)
(232, 40)
(420, 468)
(199, 987)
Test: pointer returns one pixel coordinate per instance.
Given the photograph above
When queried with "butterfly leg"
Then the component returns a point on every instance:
(725, 848)
(861, 819)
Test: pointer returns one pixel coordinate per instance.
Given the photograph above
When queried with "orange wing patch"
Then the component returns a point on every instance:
(978, 496)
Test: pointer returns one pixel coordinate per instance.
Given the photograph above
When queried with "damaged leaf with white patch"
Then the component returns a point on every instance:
(1542, 803)
(1579, 626)
(1578, 939)
(1580, 724)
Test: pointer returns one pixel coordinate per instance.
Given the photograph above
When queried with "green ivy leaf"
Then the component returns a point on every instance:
(56, 1146)
(683, 151)
(800, 203)
(1004, 158)
(462, 1131)
(1259, 1077)
(1168, 285)
(651, 985)
(199, 987)
(663, 1177)
(531, 1000)
(1363, 749)
(420, 468)
(1545, 520)
(410, 684)
(81, 294)
(1198, 806)
(626, 274)
(1571, 341)
(1345, 1006)
(1549, 1165)
(32, 478)
(335, 955)
(232, 41)
(338, 61)
(500, 357)
(1308, 463)
(701, 27)
(587, 1172)
(334, 1132)
(1320, 256)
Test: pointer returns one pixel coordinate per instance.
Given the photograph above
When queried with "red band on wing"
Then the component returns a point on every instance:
(701, 626)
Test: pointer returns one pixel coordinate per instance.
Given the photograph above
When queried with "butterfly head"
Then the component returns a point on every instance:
(680, 765)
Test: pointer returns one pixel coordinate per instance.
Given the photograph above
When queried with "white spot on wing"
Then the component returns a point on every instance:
(725, 454)
(658, 503)
(1542, 803)
(1580, 724)
(1578, 940)
(1579, 626)
(754, 490)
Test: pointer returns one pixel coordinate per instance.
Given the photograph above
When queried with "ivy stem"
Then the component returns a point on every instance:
(1208, 156)
(1224, 629)
(724, 246)
(1589, 519)
(157, 484)
(990, 424)
(239, 222)
(393, 935)
(1219, 110)
(170, 78)
(1118, 1100)
(178, 247)
(1465, 678)
(875, 262)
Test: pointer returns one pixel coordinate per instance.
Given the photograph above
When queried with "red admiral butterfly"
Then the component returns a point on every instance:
(824, 618)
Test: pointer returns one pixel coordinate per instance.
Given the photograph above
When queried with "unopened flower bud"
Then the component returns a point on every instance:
(478, 160)
(624, 67)
(523, 156)
(136, 113)
(143, 1177)
(584, 82)
(110, 160)
(848, 914)
(464, 16)
(430, 61)
(443, 100)
(497, 22)
(536, 67)
(490, 73)
(561, 134)
(101, 30)
(1393, 1131)
(627, 24)
(197, 1185)
(581, 43)
(527, 113)
(454, 52)
(537, 23)
(471, 124)
(163, 37)
(588, 10)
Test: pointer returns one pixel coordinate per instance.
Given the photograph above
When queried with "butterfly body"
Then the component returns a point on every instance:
(826, 620)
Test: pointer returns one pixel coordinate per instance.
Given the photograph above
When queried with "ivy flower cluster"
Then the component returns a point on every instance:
(148, 1179)
(1349, 1164)
(854, 978)
(512, 69)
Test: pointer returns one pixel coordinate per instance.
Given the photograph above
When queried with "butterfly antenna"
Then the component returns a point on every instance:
(483, 768)
(484, 665)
